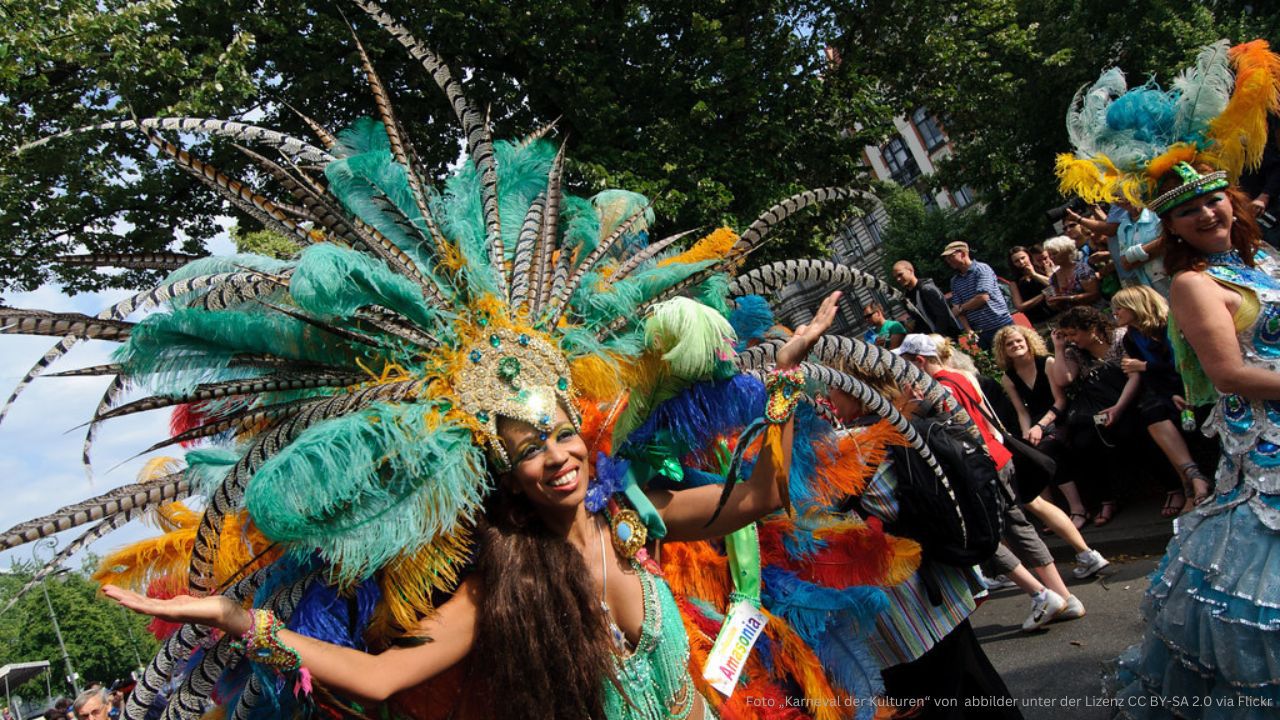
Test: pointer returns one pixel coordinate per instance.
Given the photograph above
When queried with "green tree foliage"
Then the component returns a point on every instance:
(103, 640)
(919, 234)
(263, 242)
(715, 110)
(1001, 74)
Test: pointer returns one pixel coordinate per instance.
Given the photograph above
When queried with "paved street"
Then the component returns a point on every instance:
(1056, 671)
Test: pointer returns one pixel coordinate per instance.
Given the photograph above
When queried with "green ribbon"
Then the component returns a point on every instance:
(743, 548)
(641, 503)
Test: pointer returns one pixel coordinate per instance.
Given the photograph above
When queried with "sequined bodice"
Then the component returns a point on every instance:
(655, 675)
(1249, 429)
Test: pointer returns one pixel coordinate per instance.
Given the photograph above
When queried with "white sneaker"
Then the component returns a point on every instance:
(1073, 610)
(1044, 606)
(1088, 563)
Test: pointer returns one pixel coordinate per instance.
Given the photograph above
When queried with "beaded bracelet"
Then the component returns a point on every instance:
(785, 388)
(261, 643)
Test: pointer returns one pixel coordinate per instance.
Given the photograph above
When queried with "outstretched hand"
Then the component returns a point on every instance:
(217, 611)
(802, 341)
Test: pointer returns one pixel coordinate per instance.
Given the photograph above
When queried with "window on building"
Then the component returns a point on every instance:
(875, 227)
(963, 196)
(929, 200)
(902, 166)
(930, 133)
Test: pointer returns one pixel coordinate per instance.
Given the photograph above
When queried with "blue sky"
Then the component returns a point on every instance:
(40, 468)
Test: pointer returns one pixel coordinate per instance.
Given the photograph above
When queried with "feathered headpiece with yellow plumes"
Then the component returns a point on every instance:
(350, 394)
(1215, 112)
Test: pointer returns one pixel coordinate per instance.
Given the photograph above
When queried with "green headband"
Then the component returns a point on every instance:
(1193, 186)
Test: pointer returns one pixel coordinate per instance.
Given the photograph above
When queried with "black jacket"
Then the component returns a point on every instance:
(936, 315)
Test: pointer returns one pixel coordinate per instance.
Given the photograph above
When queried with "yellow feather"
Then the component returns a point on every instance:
(137, 565)
(409, 580)
(1082, 177)
(1164, 162)
(712, 247)
(1240, 132)
(596, 377)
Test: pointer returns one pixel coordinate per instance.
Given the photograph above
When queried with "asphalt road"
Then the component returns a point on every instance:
(1056, 672)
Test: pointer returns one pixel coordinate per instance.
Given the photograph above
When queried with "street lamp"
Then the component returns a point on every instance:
(52, 544)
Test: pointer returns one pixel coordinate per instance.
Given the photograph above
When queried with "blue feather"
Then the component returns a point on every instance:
(849, 663)
(750, 319)
(810, 608)
(324, 614)
(700, 413)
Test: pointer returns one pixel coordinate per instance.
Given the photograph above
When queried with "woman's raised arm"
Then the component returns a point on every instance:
(685, 512)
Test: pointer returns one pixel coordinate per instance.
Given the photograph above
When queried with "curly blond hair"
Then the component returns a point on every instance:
(1035, 344)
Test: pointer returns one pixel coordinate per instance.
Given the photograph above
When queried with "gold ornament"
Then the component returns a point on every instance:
(514, 374)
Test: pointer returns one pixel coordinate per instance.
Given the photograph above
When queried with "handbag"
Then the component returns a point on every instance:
(1098, 388)
(1027, 458)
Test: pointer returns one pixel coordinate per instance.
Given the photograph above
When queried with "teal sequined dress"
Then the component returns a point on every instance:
(655, 674)
(1212, 644)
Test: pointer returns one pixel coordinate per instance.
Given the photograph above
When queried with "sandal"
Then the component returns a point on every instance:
(1174, 501)
(1201, 485)
(1079, 519)
(1105, 513)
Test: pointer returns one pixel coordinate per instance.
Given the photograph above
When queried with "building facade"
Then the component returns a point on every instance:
(907, 158)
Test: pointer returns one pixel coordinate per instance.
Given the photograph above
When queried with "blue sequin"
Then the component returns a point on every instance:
(1266, 454)
(1237, 412)
(476, 356)
(1273, 411)
(1266, 338)
(623, 531)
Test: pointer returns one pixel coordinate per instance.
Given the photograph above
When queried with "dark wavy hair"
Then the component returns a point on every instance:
(1246, 236)
(1009, 258)
(542, 647)
(1084, 317)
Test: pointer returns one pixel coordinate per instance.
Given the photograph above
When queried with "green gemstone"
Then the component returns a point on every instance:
(508, 368)
(482, 416)
(495, 341)
(482, 321)
(562, 384)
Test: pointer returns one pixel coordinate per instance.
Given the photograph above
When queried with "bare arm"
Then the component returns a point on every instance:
(1204, 310)
(974, 302)
(1132, 384)
(1062, 371)
(1024, 419)
(372, 677)
(686, 512)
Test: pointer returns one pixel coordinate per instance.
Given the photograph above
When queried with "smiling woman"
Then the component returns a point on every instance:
(446, 441)
(1213, 630)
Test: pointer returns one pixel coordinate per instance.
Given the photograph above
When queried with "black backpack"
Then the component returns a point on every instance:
(926, 512)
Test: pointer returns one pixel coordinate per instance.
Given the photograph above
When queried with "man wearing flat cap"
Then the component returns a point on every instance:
(975, 293)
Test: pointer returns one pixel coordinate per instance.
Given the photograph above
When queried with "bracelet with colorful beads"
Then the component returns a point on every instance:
(261, 643)
(785, 388)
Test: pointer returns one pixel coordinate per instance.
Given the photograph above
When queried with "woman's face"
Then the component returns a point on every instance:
(1204, 223)
(551, 468)
(1015, 346)
(1020, 261)
(1124, 316)
(1064, 258)
(848, 408)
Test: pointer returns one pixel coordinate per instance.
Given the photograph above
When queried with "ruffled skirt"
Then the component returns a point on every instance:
(1212, 646)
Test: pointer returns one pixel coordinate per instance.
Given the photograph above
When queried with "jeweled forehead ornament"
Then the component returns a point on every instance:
(517, 375)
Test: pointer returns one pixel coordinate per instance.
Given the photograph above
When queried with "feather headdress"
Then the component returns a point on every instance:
(348, 396)
(1126, 139)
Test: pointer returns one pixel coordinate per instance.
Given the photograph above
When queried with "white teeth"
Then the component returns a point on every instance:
(563, 480)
